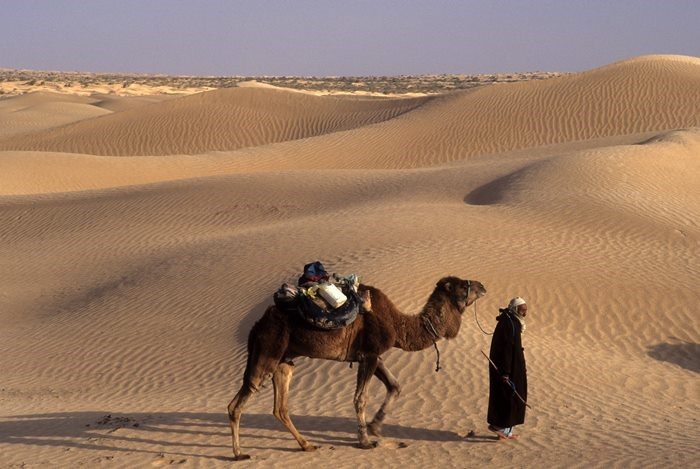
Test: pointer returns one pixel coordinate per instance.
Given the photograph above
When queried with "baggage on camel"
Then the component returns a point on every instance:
(322, 300)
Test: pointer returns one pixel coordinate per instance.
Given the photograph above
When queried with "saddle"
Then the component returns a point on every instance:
(306, 302)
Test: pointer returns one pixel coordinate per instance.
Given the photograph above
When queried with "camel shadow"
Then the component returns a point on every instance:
(187, 434)
(103, 430)
(685, 354)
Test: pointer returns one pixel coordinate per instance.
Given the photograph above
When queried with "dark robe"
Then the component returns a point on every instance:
(505, 409)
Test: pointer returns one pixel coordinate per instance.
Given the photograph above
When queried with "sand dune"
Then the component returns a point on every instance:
(225, 119)
(633, 97)
(641, 95)
(129, 284)
(40, 111)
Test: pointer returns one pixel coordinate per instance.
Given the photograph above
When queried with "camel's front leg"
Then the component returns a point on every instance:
(280, 379)
(366, 369)
(392, 392)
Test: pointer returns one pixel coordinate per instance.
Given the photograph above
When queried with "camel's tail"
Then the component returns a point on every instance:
(252, 353)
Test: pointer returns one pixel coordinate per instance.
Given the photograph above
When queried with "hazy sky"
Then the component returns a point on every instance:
(348, 37)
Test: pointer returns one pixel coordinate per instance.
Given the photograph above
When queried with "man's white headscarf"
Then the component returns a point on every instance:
(513, 308)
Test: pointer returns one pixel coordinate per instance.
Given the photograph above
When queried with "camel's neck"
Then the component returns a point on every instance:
(438, 320)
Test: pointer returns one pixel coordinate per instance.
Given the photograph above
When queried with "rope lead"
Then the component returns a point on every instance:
(476, 318)
(437, 366)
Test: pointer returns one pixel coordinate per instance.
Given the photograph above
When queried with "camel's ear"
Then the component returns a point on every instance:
(445, 284)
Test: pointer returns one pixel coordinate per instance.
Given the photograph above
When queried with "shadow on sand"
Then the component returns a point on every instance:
(183, 433)
(685, 354)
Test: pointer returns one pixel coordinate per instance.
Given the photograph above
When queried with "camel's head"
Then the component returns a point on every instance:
(462, 292)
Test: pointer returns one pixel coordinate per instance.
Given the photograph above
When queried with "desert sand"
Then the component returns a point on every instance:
(142, 236)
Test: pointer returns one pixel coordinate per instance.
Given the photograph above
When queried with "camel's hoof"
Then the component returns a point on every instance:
(374, 429)
(309, 448)
(241, 457)
(368, 445)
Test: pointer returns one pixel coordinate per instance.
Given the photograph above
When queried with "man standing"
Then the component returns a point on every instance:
(508, 378)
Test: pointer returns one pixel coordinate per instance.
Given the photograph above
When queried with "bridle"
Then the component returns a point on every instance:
(455, 298)
(428, 325)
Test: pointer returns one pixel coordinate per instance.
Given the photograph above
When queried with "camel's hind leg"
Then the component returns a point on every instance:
(365, 371)
(280, 379)
(235, 408)
(256, 372)
(392, 392)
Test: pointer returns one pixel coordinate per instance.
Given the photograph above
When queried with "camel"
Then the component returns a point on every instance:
(278, 337)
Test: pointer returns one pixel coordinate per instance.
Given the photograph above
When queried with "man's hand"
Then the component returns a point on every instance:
(505, 379)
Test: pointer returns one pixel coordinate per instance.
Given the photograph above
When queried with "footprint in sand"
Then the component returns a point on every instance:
(167, 462)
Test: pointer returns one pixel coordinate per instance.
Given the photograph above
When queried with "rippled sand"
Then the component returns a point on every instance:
(141, 237)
